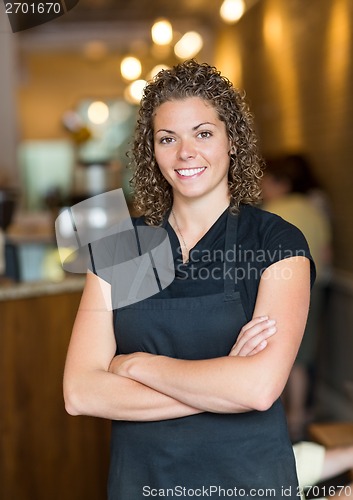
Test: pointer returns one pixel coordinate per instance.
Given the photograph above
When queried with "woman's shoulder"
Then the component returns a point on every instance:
(263, 221)
(138, 221)
(270, 234)
(261, 229)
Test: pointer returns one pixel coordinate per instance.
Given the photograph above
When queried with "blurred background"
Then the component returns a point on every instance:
(69, 93)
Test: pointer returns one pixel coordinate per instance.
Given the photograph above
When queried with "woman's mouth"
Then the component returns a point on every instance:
(190, 172)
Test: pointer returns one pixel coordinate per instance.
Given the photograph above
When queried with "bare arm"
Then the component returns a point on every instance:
(337, 460)
(89, 387)
(236, 383)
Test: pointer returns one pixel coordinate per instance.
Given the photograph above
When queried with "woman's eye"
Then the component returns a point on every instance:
(204, 134)
(166, 140)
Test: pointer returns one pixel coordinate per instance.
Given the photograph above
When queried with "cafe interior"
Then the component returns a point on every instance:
(69, 96)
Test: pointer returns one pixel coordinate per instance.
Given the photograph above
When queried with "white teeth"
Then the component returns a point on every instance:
(188, 172)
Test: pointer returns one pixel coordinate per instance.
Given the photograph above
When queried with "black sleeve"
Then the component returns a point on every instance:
(264, 239)
(283, 240)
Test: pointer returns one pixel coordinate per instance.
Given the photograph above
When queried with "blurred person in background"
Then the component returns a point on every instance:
(290, 190)
(316, 464)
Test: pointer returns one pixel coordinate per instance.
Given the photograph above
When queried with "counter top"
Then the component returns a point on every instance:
(13, 291)
(31, 227)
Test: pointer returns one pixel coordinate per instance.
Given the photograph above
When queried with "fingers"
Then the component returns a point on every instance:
(257, 349)
(253, 336)
(255, 321)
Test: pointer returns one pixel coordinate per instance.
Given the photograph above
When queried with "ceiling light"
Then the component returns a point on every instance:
(130, 68)
(154, 71)
(189, 45)
(162, 32)
(134, 91)
(98, 112)
(232, 10)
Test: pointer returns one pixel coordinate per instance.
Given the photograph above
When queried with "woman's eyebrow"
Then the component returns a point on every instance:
(193, 128)
(203, 123)
(165, 130)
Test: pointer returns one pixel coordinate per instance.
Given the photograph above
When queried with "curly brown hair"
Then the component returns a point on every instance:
(153, 195)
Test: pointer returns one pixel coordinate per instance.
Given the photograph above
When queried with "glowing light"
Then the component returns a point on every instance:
(230, 64)
(189, 45)
(98, 112)
(162, 32)
(130, 68)
(273, 29)
(284, 75)
(154, 71)
(232, 10)
(134, 91)
(97, 217)
(338, 47)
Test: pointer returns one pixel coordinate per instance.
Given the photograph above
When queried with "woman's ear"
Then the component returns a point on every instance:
(232, 150)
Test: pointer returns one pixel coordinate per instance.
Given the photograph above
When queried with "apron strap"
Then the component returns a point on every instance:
(230, 250)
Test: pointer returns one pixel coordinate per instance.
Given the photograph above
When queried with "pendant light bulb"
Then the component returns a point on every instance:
(130, 68)
(134, 92)
(189, 45)
(98, 112)
(232, 10)
(162, 32)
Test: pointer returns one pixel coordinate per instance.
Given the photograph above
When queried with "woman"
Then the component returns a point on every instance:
(195, 411)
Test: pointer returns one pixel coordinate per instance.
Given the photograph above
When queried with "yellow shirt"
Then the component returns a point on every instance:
(299, 210)
(309, 458)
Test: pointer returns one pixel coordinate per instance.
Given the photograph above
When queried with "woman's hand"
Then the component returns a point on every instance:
(253, 336)
(251, 340)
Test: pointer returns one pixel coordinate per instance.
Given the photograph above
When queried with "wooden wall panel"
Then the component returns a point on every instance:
(45, 453)
(294, 60)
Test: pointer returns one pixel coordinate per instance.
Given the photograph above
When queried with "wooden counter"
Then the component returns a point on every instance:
(332, 434)
(45, 453)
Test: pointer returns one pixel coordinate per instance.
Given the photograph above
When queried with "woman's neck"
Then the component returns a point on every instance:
(198, 215)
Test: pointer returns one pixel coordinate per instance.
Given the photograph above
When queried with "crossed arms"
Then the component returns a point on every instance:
(143, 387)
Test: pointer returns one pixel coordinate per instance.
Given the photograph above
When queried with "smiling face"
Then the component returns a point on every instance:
(192, 148)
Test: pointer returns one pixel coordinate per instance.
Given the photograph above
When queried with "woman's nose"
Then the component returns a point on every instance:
(187, 150)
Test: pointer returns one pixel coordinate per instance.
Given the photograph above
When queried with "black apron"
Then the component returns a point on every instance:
(210, 454)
